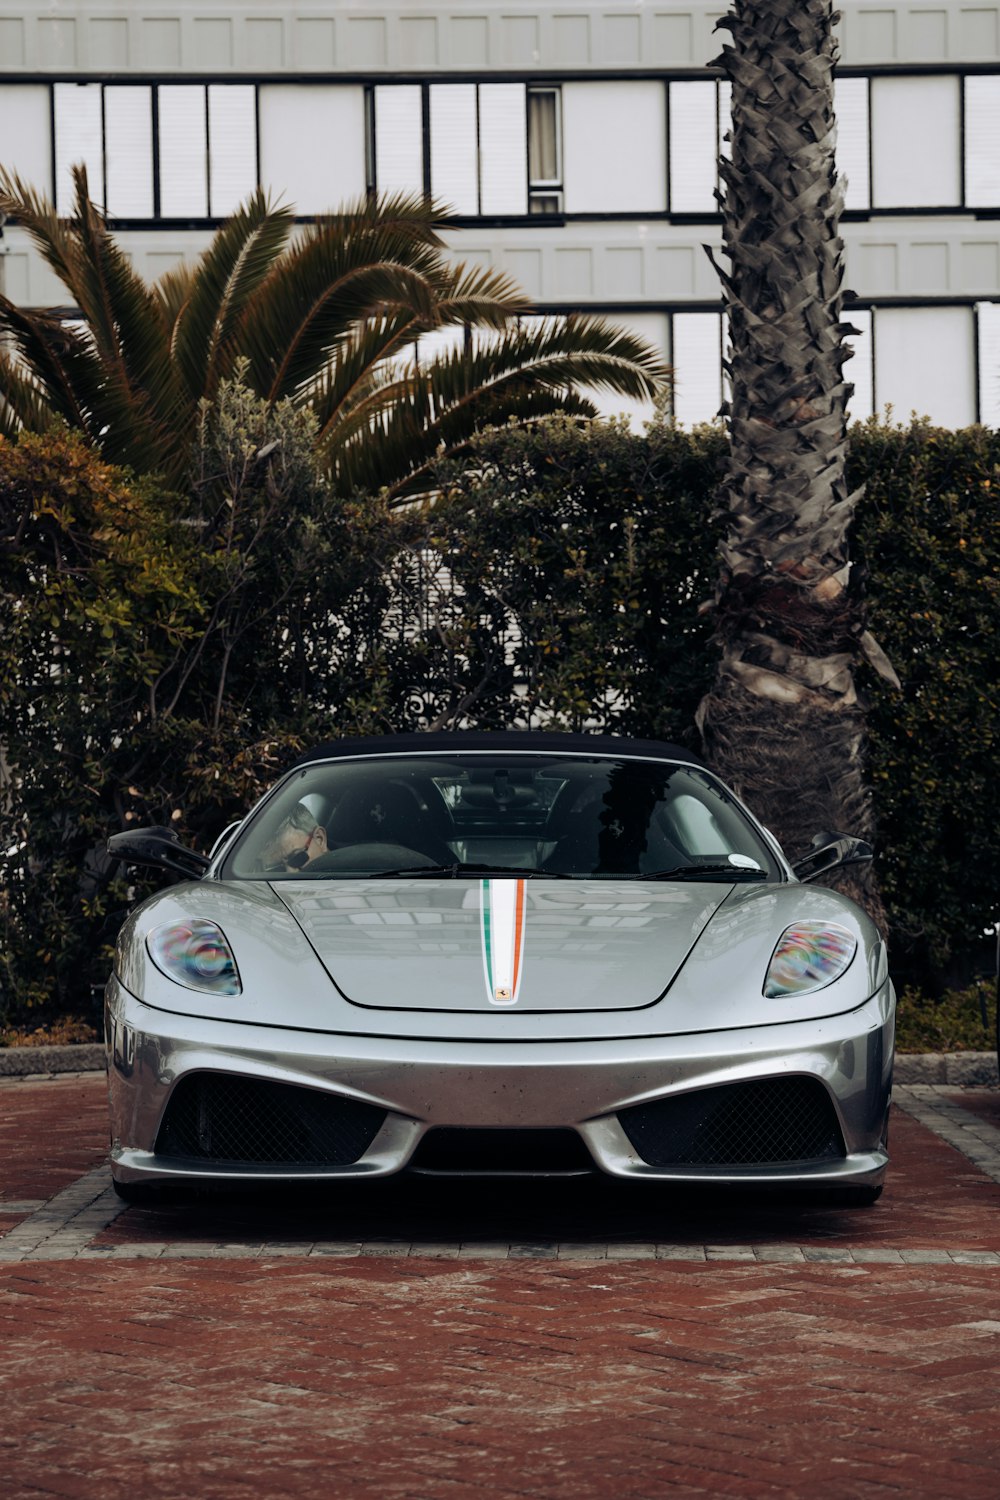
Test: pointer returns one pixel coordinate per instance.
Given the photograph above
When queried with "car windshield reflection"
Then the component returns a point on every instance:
(477, 814)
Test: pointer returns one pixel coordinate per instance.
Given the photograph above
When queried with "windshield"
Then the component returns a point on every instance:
(522, 814)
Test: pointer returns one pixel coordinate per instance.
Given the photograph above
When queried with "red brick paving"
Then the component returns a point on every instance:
(416, 1379)
(413, 1380)
(51, 1132)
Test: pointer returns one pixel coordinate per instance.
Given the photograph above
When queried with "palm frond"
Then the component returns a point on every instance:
(23, 406)
(366, 359)
(62, 363)
(409, 213)
(129, 331)
(479, 296)
(403, 452)
(342, 271)
(224, 282)
(404, 425)
(51, 235)
(172, 289)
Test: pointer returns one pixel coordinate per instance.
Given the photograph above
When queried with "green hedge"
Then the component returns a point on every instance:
(929, 539)
(557, 581)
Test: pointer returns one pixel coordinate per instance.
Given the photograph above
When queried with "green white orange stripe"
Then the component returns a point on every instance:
(502, 928)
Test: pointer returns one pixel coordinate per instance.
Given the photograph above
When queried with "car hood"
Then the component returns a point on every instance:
(469, 945)
(599, 958)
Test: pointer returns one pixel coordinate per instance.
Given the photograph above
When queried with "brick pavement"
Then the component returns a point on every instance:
(406, 1380)
(421, 1341)
(984, 1103)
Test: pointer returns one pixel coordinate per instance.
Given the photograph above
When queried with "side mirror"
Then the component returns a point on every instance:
(831, 851)
(159, 847)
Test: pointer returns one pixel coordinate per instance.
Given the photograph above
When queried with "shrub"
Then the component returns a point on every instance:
(929, 539)
(163, 657)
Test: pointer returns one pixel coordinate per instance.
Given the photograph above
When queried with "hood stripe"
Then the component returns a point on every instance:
(502, 926)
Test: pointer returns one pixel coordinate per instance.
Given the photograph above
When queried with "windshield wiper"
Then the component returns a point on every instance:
(452, 872)
(696, 872)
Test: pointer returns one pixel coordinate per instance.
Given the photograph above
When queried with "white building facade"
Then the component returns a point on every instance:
(577, 144)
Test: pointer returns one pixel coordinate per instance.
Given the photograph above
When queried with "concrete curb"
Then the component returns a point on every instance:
(946, 1067)
(975, 1068)
(80, 1057)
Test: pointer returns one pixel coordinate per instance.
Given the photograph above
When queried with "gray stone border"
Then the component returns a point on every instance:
(961, 1068)
(955, 1068)
(33, 1062)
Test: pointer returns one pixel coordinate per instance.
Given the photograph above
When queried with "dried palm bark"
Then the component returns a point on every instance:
(783, 723)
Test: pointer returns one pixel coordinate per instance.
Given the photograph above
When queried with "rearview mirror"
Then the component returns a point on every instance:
(832, 851)
(159, 847)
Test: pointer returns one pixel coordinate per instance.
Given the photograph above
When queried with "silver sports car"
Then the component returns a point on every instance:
(513, 952)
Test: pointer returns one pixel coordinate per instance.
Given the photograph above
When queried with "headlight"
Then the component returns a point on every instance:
(195, 954)
(809, 956)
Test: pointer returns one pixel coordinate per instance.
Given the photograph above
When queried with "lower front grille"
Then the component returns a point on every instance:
(515, 1152)
(220, 1118)
(762, 1123)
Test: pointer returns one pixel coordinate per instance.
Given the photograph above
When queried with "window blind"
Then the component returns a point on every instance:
(851, 104)
(128, 149)
(503, 148)
(614, 153)
(859, 371)
(982, 142)
(183, 146)
(696, 356)
(79, 138)
(454, 126)
(943, 387)
(312, 144)
(399, 139)
(693, 147)
(26, 133)
(988, 315)
(232, 146)
(923, 112)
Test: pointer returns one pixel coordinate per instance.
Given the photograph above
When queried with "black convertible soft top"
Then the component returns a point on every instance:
(497, 739)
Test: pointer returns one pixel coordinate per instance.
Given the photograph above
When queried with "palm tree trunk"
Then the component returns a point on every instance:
(783, 723)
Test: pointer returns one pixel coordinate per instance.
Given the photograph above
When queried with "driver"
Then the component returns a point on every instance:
(298, 841)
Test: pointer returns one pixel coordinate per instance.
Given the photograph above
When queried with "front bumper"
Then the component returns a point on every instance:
(423, 1084)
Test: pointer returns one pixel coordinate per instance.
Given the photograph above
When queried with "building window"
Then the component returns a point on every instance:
(697, 127)
(982, 142)
(544, 151)
(988, 346)
(851, 103)
(177, 151)
(924, 113)
(79, 140)
(859, 371)
(943, 388)
(482, 149)
(696, 355)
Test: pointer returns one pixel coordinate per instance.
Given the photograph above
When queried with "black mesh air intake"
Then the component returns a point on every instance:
(219, 1118)
(763, 1123)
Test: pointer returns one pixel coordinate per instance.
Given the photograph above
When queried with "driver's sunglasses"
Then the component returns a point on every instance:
(300, 857)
